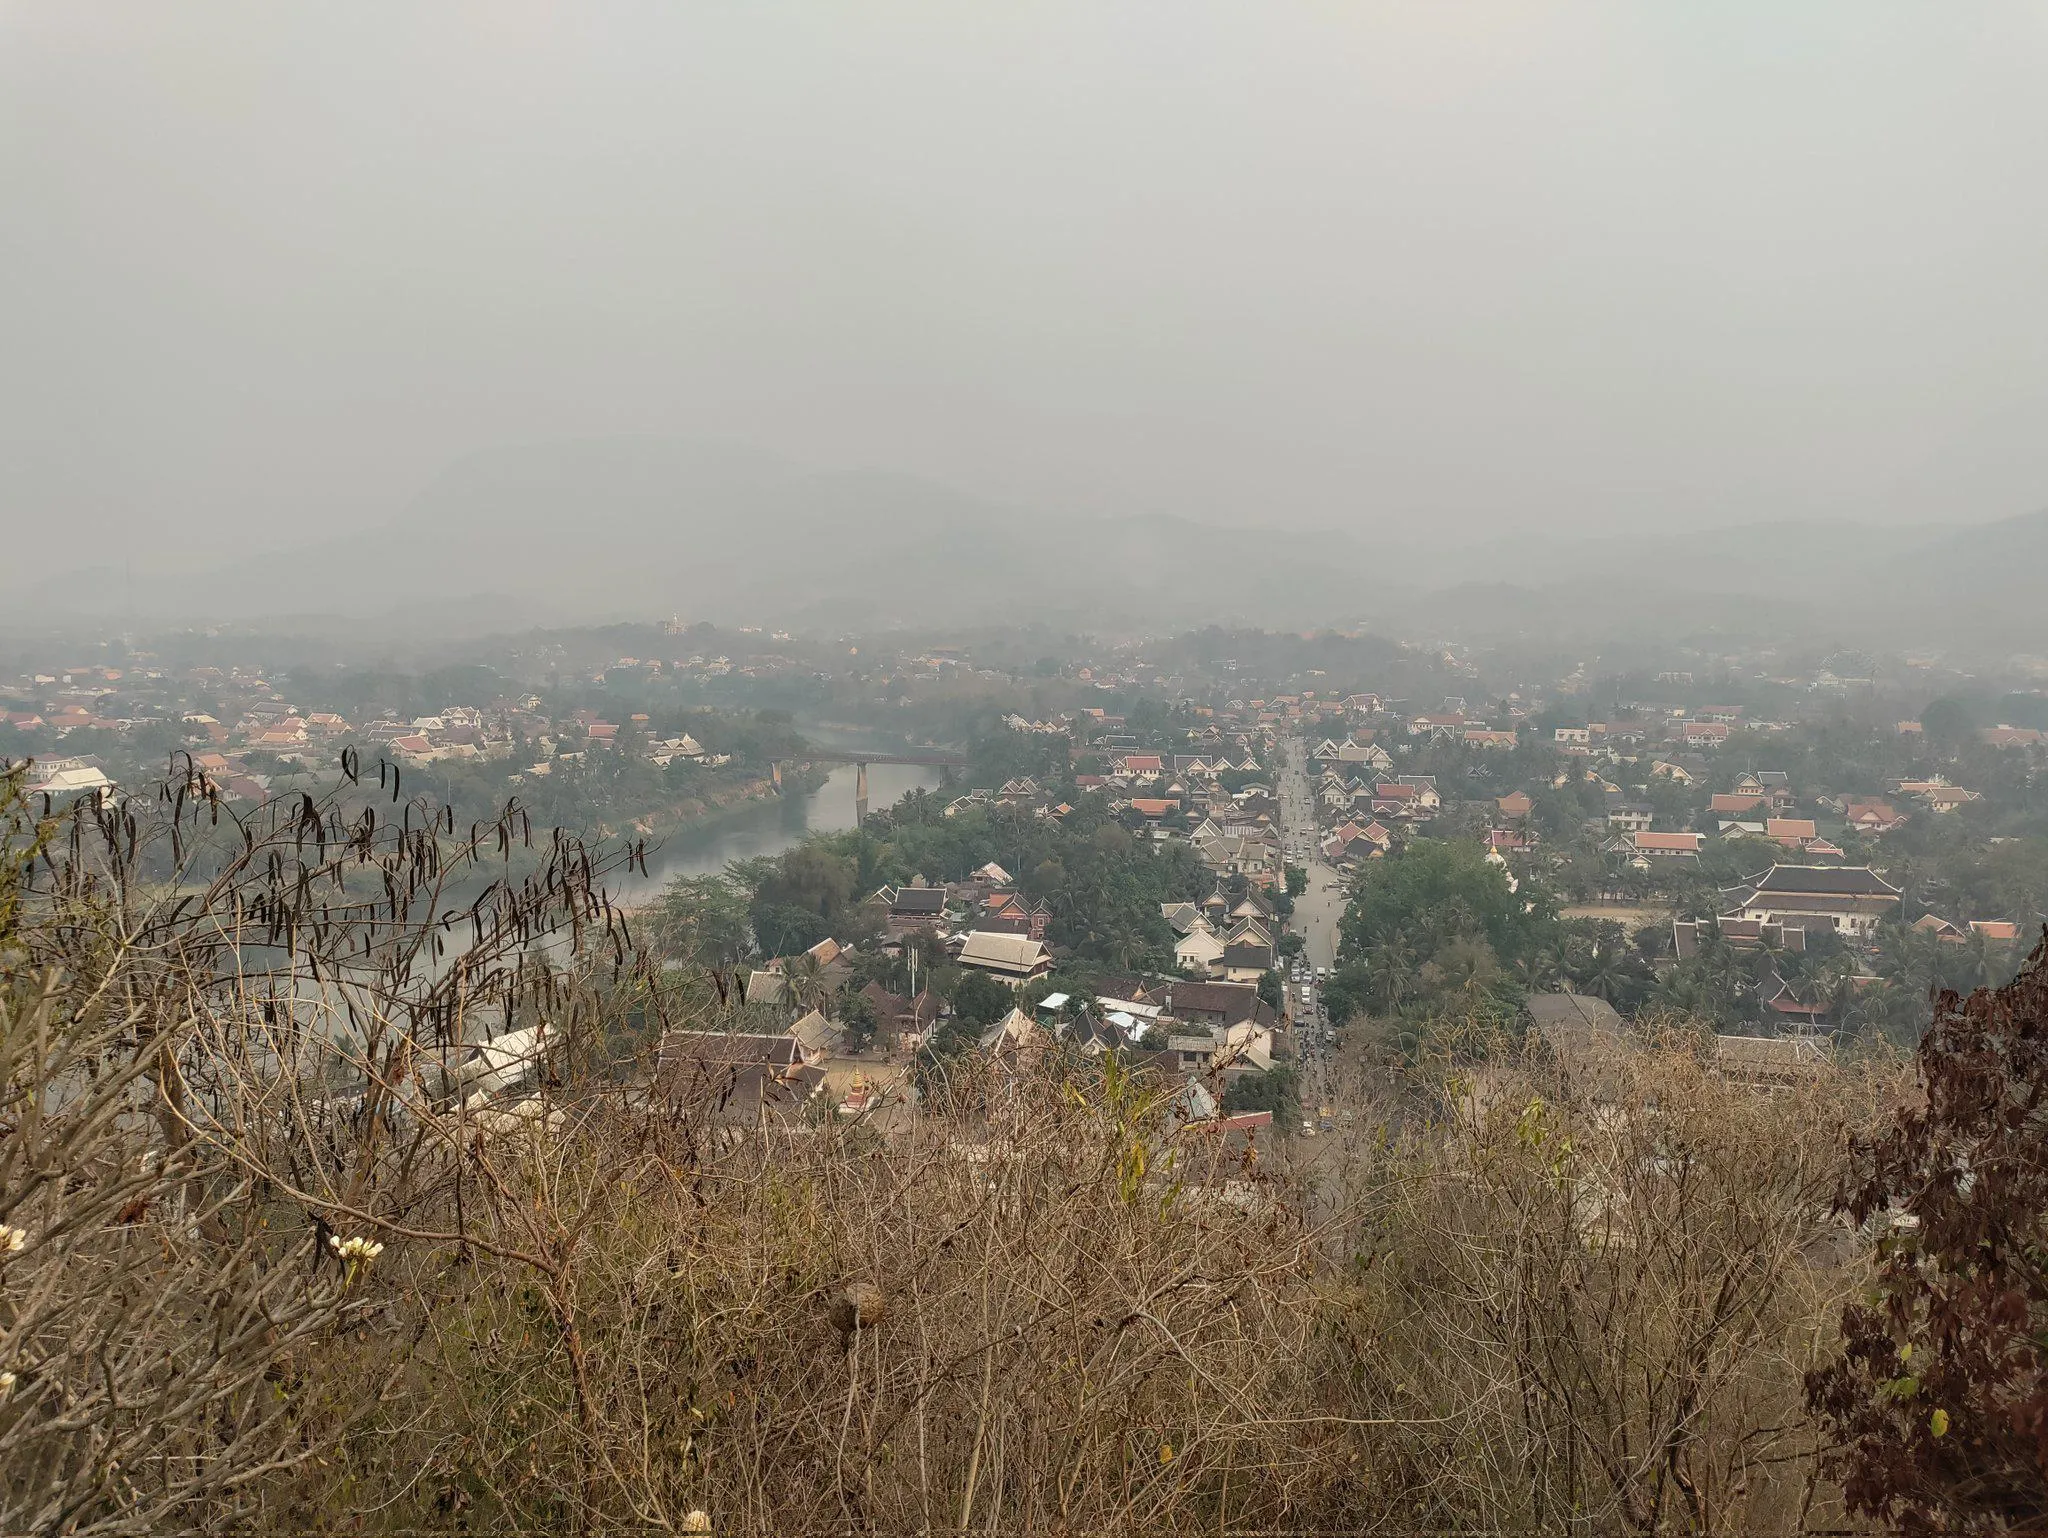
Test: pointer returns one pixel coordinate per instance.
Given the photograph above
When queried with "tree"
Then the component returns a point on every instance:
(804, 982)
(1539, 971)
(1462, 969)
(1940, 1396)
(1596, 1268)
(1434, 892)
(1948, 722)
(785, 929)
(184, 1227)
(1297, 881)
(1393, 974)
(1348, 992)
(1272, 989)
(1609, 968)
(630, 742)
(980, 1000)
(811, 876)
(1711, 984)
(856, 1012)
(1276, 1090)
(702, 920)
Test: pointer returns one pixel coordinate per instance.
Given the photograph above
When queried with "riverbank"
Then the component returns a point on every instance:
(764, 828)
(694, 812)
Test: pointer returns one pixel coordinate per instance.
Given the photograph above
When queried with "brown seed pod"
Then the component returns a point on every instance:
(859, 1306)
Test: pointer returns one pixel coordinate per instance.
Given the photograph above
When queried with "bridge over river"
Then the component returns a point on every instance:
(860, 759)
(769, 827)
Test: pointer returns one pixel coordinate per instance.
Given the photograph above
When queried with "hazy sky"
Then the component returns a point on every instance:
(1302, 263)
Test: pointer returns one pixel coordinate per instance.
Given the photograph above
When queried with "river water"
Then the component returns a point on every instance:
(760, 828)
(769, 827)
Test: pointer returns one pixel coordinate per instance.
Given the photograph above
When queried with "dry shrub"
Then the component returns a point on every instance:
(211, 1024)
(1022, 1316)
(1593, 1295)
(149, 1313)
(1572, 1299)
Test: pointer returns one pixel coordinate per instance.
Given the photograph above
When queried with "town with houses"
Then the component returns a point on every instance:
(1053, 771)
(1799, 867)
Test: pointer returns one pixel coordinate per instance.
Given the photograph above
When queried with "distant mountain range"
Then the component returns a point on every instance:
(1978, 587)
(633, 528)
(593, 530)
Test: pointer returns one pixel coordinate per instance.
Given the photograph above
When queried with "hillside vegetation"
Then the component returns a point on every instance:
(271, 1263)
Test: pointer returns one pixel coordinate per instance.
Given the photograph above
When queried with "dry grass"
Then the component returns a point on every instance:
(1012, 1321)
(1038, 1307)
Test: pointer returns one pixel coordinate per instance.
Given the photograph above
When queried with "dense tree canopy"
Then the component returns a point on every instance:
(1947, 722)
(1103, 886)
(1437, 929)
(1436, 892)
(1277, 1090)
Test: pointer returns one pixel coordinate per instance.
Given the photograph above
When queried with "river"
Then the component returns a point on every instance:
(769, 827)
(758, 828)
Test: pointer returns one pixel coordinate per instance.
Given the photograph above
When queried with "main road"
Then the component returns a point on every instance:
(1317, 915)
(1318, 911)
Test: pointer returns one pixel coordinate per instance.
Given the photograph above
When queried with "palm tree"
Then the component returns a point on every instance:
(1574, 958)
(1980, 965)
(1465, 965)
(803, 981)
(1538, 971)
(1834, 983)
(1908, 956)
(1392, 973)
(1894, 1010)
(1606, 977)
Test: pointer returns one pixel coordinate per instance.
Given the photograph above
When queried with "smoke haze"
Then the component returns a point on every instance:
(1437, 276)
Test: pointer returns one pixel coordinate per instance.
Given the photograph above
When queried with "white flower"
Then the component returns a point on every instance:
(697, 1522)
(356, 1249)
(13, 1240)
(6, 1384)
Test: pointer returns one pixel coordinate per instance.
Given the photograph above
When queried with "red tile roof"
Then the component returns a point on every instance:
(1669, 843)
(1730, 801)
